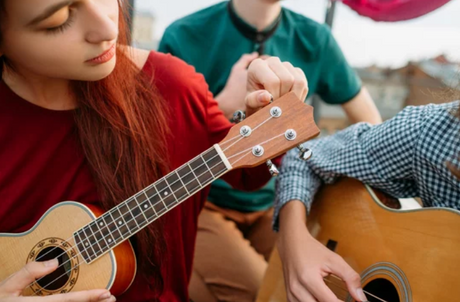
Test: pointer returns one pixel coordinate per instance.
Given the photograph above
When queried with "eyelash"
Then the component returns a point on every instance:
(63, 27)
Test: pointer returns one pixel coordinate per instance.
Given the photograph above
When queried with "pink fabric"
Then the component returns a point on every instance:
(394, 10)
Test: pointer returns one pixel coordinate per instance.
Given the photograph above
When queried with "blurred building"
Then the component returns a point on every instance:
(417, 83)
(143, 30)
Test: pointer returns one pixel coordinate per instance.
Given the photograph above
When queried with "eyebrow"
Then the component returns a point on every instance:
(49, 12)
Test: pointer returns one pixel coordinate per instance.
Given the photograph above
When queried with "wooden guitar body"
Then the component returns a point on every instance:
(52, 235)
(402, 256)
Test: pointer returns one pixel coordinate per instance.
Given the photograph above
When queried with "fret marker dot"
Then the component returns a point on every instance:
(145, 206)
(120, 222)
(110, 239)
(166, 193)
(87, 244)
(101, 223)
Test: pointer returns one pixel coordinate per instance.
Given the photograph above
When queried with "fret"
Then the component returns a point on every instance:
(87, 244)
(189, 179)
(128, 218)
(210, 171)
(144, 205)
(194, 175)
(100, 239)
(175, 184)
(217, 166)
(116, 231)
(121, 223)
(92, 240)
(200, 170)
(150, 212)
(107, 230)
(166, 192)
(156, 200)
(168, 198)
(136, 211)
(81, 247)
(180, 178)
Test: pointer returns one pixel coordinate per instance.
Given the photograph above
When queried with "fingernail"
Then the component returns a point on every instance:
(113, 299)
(264, 97)
(105, 295)
(50, 263)
(361, 295)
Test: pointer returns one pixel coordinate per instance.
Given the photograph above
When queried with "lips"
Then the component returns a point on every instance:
(104, 57)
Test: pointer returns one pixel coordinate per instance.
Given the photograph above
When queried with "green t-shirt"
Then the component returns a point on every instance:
(210, 42)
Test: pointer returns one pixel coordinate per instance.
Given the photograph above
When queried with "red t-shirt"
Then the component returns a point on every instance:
(41, 165)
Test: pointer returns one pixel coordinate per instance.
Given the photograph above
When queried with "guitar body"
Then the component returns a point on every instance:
(52, 235)
(401, 255)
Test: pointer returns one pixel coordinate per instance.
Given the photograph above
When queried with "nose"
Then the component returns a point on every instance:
(101, 22)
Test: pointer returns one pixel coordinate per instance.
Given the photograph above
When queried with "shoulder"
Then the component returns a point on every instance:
(138, 56)
(307, 27)
(198, 20)
(174, 78)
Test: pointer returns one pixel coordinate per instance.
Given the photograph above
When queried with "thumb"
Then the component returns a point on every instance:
(28, 274)
(245, 60)
(257, 100)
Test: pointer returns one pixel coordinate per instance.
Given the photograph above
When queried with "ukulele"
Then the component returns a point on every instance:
(92, 246)
(401, 255)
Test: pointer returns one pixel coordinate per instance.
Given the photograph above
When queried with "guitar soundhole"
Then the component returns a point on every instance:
(61, 275)
(383, 289)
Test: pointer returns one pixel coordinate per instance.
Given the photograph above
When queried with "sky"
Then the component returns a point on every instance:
(363, 41)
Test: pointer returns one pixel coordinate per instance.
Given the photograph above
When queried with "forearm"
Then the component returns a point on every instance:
(362, 109)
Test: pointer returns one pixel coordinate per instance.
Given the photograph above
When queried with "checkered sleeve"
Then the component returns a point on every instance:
(380, 156)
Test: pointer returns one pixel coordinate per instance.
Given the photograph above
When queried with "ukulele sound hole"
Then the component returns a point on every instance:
(60, 276)
(383, 289)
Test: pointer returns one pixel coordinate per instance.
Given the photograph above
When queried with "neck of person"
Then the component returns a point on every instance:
(258, 13)
(49, 93)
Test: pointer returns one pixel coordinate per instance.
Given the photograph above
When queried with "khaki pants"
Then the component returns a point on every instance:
(231, 254)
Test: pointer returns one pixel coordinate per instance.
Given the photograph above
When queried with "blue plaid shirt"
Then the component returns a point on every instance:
(404, 157)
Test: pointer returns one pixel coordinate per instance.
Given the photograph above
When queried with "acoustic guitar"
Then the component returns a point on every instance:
(92, 246)
(401, 255)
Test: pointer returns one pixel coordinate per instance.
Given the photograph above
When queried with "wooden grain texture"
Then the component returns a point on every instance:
(270, 134)
(60, 222)
(423, 243)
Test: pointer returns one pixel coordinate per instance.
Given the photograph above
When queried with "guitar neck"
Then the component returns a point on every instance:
(141, 209)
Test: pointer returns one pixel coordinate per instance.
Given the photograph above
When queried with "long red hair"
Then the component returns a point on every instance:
(122, 125)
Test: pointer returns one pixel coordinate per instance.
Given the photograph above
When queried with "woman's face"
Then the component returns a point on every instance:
(61, 38)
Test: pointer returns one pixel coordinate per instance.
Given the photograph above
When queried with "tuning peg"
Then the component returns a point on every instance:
(238, 116)
(272, 168)
(305, 153)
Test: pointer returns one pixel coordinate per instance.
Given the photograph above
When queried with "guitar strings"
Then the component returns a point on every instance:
(131, 198)
(79, 253)
(149, 187)
(346, 290)
(111, 233)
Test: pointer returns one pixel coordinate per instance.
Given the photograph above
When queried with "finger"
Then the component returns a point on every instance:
(341, 269)
(28, 274)
(257, 100)
(321, 292)
(245, 60)
(300, 87)
(261, 76)
(300, 294)
(286, 78)
(95, 295)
